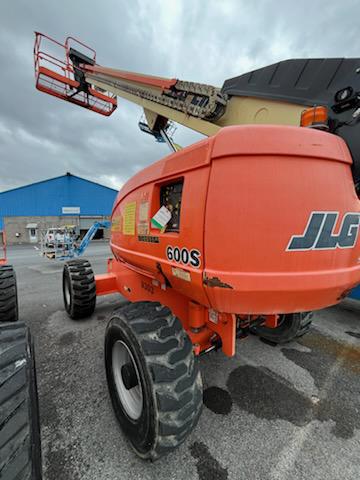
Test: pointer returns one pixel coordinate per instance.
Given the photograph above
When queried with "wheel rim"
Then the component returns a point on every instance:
(67, 292)
(130, 398)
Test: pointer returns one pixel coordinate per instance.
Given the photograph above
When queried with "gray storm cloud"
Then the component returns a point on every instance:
(206, 41)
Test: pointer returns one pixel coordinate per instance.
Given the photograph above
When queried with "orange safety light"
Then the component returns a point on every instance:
(315, 117)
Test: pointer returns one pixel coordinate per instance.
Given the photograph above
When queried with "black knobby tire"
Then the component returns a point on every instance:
(8, 295)
(79, 288)
(291, 326)
(169, 377)
(20, 446)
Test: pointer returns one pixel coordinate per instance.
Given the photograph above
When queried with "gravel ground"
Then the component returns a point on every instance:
(270, 412)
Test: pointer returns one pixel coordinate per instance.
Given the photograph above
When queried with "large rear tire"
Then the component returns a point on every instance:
(79, 288)
(153, 378)
(9, 311)
(291, 326)
(20, 446)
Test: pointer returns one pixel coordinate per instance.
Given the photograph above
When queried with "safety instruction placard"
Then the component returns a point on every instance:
(144, 211)
(129, 217)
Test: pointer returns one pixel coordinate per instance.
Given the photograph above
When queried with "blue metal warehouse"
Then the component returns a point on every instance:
(67, 199)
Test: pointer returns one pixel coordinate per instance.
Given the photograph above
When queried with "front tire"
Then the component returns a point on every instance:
(79, 288)
(291, 326)
(153, 378)
(9, 311)
(20, 446)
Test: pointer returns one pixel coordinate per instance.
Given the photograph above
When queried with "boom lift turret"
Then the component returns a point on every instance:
(246, 231)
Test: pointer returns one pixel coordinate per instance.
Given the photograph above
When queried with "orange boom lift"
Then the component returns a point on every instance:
(247, 231)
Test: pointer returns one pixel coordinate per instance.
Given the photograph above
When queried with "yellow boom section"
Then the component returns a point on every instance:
(197, 106)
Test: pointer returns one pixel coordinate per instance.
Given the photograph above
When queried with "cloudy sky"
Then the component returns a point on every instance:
(201, 40)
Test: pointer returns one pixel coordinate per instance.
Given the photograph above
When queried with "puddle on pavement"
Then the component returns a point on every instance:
(266, 395)
(208, 467)
(217, 400)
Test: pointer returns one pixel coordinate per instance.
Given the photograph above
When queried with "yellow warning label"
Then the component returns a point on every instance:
(116, 225)
(129, 218)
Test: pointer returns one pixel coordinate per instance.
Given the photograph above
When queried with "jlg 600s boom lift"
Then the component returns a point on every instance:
(246, 231)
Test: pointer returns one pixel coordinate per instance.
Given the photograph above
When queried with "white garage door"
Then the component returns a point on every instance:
(85, 223)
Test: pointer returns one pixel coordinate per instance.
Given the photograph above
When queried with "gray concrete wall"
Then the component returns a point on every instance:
(15, 225)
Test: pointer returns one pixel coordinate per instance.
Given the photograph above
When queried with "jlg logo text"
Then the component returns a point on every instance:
(319, 232)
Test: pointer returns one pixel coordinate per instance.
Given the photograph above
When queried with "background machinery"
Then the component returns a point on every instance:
(63, 243)
(246, 231)
(355, 294)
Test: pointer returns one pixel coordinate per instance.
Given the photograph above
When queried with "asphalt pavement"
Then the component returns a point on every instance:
(270, 413)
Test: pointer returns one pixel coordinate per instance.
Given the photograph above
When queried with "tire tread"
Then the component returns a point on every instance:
(20, 454)
(296, 326)
(8, 294)
(174, 370)
(82, 283)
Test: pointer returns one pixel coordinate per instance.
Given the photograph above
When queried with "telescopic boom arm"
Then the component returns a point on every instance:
(278, 94)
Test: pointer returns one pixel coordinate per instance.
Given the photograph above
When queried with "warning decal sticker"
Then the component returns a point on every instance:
(116, 224)
(180, 273)
(129, 218)
(143, 228)
(144, 211)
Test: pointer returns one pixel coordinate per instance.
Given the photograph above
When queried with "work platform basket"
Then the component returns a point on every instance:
(58, 75)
